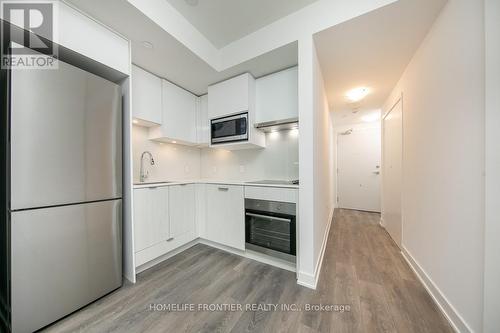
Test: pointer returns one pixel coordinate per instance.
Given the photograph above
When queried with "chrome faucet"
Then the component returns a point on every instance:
(144, 173)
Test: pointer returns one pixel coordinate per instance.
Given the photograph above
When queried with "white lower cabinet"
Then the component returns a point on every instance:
(225, 218)
(182, 203)
(164, 220)
(151, 217)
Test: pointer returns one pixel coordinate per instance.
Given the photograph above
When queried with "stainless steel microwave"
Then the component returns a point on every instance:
(229, 129)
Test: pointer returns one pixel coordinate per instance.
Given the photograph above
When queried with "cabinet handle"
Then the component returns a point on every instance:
(223, 189)
(267, 217)
(170, 239)
(153, 188)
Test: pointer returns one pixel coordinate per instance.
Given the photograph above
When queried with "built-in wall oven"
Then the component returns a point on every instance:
(229, 129)
(270, 228)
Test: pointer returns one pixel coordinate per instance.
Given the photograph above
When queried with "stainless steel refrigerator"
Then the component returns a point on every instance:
(65, 210)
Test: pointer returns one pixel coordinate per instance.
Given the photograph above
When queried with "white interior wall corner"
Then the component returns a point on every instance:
(491, 319)
(306, 158)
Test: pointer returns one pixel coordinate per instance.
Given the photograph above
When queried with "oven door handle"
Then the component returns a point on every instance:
(267, 217)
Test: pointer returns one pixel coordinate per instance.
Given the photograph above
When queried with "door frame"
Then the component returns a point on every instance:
(491, 320)
(397, 99)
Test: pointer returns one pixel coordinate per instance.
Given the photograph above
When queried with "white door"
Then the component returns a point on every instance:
(392, 171)
(358, 156)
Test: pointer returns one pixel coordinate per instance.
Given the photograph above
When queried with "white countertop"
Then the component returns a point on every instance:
(211, 181)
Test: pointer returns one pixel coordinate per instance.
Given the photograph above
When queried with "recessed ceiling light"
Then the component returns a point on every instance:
(135, 121)
(193, 2)
(357, 94)
(174, 141)
(147, 44)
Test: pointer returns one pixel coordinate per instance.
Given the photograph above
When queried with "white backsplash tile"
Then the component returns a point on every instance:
(279, 160)
(172, 162)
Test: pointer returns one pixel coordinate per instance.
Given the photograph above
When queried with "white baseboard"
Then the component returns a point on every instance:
(252, 255)
(455, 319)
(164, 257)
(247, 254)
(303, 279)
(306, 279)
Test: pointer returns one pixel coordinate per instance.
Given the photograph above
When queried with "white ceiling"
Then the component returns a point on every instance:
(373, 50)
(344, 118)
(169, 58)
(224, 21)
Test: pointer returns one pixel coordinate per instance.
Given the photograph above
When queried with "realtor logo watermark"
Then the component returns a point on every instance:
(26, 38)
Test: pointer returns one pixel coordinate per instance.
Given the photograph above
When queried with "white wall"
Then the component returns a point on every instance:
(443, 160)
(279, 160)
(323, 161)
(492, 182)
(316, 165)
(172, 162)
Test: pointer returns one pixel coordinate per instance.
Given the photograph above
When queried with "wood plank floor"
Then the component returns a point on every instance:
(362, 268)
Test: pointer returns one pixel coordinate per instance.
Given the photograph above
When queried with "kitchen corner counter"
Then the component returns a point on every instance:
(211, 181)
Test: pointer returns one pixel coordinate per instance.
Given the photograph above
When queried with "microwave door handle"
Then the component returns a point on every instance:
(267, 217)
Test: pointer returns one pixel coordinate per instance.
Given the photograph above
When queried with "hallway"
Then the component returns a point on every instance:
(362, 268)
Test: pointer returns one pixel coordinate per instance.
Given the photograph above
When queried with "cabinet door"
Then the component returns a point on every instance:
(225, 222)
(182, 209)
(203, 125)
(151, 217)
(277, 96)
(146, 97)
(230, 96)
(179, 113)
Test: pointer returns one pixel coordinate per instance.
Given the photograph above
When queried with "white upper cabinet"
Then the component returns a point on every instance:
(202, 122)
(179, 116)
(146, 97)
(277, 96)
(232, 96)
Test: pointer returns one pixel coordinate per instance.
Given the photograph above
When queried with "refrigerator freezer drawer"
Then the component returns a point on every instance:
(62, 259)
(66, 138)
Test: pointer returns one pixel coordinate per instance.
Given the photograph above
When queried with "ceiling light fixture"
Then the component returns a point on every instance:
(147, 44)
(135, 121)
(174, 141)
(357, 94)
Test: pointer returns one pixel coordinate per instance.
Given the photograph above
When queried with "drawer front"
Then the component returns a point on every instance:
(272, 193)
